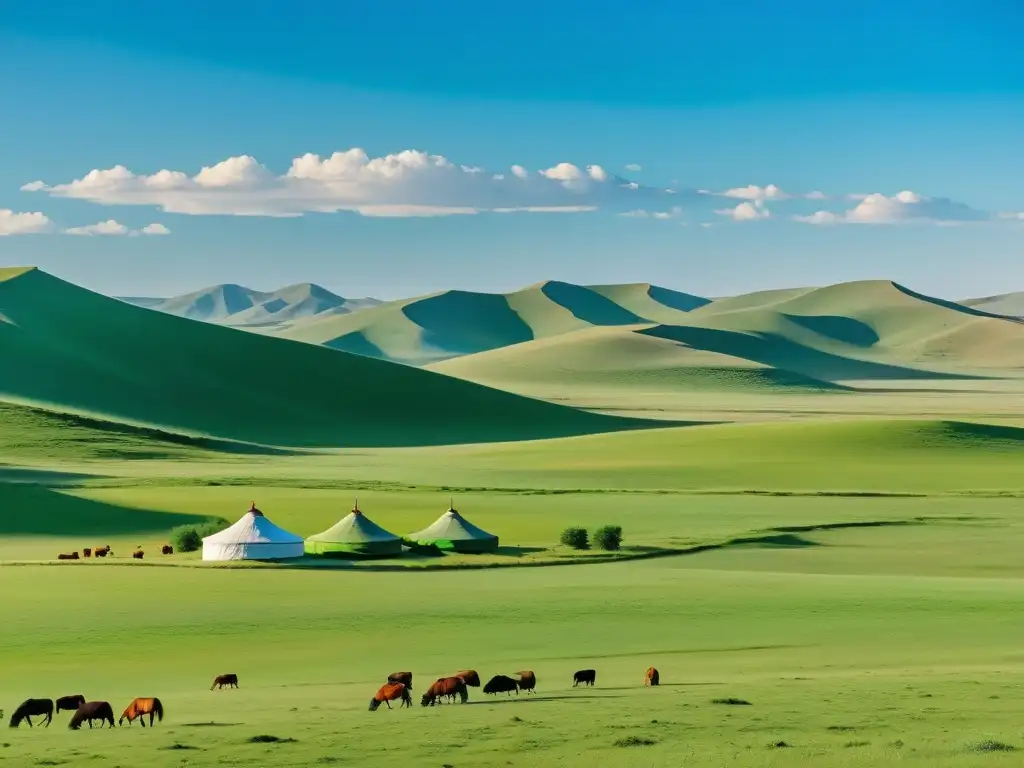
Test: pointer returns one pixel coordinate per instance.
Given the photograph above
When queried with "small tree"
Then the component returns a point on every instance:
(186, 538)
(608, 537)
(575, 538)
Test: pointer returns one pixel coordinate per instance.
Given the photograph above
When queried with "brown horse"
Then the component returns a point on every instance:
(527, 681)
(652, 677)
(405, 678)
(72, 556)
(139, 708)
(167, 549)
(92, 710)
(470, 676)
(221, 680)
(86, 552)
(391, 692)
(70, 703)
(33, 707)
(449, 687)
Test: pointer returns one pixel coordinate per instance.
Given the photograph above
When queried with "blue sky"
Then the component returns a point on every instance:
(907, 122)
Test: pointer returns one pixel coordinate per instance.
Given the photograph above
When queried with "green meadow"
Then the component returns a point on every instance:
(821, 559)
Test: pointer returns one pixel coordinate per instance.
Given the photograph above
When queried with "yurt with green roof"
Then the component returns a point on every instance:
(451, 531)
(355, 535)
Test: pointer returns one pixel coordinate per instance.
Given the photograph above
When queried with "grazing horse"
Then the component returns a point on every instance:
(167, 549)
(30, 707)
(70, 703)
(652, 677)
(139, 708)
(470, 676)
(501, 684)
(221, 680)
(102, 551)
(138, 554)
(391, 692)
(86, 552)
(92, 710)
(72, 556)
(527, 681)
(585, 676)
(405, 678)
(445, 687)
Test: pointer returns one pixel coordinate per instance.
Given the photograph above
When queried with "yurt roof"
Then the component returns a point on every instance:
(452, 526)
(253, 526)
(355, 527)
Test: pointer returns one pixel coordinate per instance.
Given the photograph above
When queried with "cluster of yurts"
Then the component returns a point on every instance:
(254, 537)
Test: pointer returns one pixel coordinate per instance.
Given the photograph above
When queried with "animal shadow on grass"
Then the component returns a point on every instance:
(268, 739)
(210, 724)
(533, 699)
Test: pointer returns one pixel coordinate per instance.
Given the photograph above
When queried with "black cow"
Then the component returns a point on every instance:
(501, 684)
(585, 676)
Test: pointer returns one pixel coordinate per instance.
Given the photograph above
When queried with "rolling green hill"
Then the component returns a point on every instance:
(450, 324)
(69, 349)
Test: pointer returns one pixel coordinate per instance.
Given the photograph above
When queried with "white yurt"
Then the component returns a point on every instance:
(253, 537)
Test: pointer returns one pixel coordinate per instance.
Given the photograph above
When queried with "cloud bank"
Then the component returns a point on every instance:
(903, 207)
(14, 223)
(112, 228)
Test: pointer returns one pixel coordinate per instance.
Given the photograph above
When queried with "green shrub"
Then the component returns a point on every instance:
(575, 538)
(608, 537)
(189, 538)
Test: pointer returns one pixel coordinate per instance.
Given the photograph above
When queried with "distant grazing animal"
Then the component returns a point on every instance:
(139, 708)
(221, 680)
(470, 676)
(405, 678)
(70, 703)
(92, 710)
(167, 549)
(86, 552)
(501, 684)
(33, 708)
(137, 554)
(652, 677)
(72, 556)
(527, 681)
(445, 687)
(391, 692)
(586, 676)
(103, 551)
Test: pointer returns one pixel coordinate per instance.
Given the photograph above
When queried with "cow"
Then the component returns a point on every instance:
(652, 677)
(405, 678)
(391, 692)
(445, 687)
(70, 703)
(138, 554)
(221, 680)
(167, 549)
(102, 551)
(527, 681)
(86, 552)
(470, 676)
(72, 556)
(585, 676)
(501, 684)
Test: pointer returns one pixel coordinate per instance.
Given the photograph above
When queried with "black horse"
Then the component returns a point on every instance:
(36, 707)
(69, 703)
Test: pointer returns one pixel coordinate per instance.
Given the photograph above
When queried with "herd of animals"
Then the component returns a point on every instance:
(397, 688)
(138, 554)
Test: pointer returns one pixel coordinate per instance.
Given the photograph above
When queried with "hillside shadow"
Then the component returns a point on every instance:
(356, 343)
(683, 302)
(32, 510)
(952, 305)
(49, 477)
(464, 322)
(844, 329)
(780, 352)
(589, 306)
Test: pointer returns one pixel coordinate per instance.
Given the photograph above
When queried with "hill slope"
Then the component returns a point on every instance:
(1004, 304)
(74, 350)
(450, 324)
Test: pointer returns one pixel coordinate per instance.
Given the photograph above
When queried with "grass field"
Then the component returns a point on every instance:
(824, 575)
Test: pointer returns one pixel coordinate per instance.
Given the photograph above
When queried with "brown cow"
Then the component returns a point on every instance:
(527, 681)
(405, 678)
(86, 552)
(102, 551)
(652, 677)
(470, 676)
(167, 549)
(449, 687)
(391, 692)
(221, 680)
(72, 556)
(138, 554)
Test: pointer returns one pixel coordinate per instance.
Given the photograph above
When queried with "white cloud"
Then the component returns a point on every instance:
(816, 195)
(747, 211)
(905, 206)
(634, 167)
(639, 213)
(108, 227)
(753, 192)
(1012, 215)
(408, 183)
(13, 223)
(155, 229)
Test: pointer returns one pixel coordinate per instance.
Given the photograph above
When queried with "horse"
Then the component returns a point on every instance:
(92, 710)
(470, 676)
(405, 678)
(138, 554)
(527, 681)
(72, 556)
(586, 676)
(139, 708)
(86, 552)
(445, 687)
(652, 677)
(70, 703)
(501, 684)
(167, 549)
(391, 692)
(30, 707)
(221, 680)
